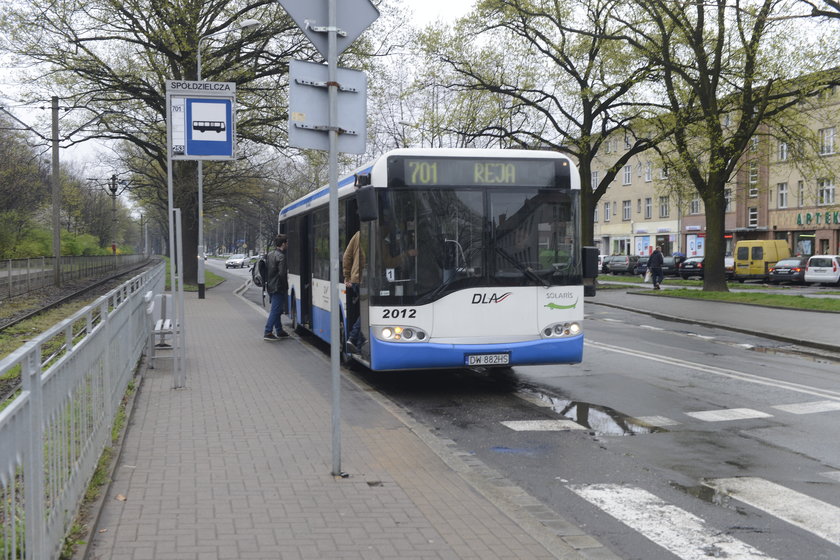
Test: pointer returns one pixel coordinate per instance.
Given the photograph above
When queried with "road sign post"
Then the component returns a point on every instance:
(202, 126)
(199, 125)
(355, 16)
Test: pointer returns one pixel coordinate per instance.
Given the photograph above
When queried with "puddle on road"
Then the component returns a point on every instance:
(602, 420)
(709, 495)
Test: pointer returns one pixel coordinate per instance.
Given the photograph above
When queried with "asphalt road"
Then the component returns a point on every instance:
(665, 420)
(669, 440)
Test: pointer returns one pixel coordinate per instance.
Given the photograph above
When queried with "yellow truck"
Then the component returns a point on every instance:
(753, 259)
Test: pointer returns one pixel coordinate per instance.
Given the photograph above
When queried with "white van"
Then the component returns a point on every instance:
(824, 269)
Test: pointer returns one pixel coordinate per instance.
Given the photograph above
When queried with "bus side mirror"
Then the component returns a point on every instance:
(589, 256)
(368, 207)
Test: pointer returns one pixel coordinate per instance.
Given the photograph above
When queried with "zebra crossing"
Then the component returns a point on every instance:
(678, 531)
(689, 537)
(682, 533)
(716, 415)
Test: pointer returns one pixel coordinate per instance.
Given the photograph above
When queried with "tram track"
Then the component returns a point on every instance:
(52, 298)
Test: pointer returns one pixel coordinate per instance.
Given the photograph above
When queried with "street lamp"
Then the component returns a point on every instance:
(245, 24)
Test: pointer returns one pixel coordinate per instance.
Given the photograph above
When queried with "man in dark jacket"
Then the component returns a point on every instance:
(655, 265)
(277, 286)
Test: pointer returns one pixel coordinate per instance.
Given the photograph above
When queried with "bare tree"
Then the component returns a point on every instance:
(823, 9)
(568, 81)
(110, 61)
(725, 70)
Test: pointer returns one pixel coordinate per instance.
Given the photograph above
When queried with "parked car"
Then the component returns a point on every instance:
(622, 264)
(671, 265)
(729, 267)
(605, 262)
(641, 266)
(823, 269)
(789, 270)
(692, 266)
(237, 261)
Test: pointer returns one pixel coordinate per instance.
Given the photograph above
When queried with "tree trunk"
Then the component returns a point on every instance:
(587, 225)
(714, 272)
(185, 181)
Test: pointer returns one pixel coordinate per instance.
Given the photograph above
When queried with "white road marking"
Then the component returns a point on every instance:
(651, 328)
(810, 407)
(810, 514)
(542, 425)
(658, 421)
(535, 399)
(727, 414)
(701, 336)
(833, 475)
(723, 372)
(682, 533)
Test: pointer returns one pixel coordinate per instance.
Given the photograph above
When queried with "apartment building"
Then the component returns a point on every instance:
(774, 195)
(638, 211)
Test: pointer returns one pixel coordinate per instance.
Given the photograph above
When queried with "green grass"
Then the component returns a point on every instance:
(676, 281)
(211, 280)
(771, 300)
(98, 482)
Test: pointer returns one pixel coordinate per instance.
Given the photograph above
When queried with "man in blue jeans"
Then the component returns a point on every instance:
(277, 286)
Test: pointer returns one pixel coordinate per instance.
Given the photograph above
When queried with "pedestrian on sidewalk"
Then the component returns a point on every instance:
(277, 286)
(655, 266)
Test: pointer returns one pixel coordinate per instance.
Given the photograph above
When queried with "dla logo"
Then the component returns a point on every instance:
(478, 299)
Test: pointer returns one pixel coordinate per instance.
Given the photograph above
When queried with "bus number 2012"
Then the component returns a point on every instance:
(399, 313)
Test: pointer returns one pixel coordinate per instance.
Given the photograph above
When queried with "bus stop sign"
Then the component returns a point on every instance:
(353, 17)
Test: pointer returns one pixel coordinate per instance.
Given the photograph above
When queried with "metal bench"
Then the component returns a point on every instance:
(159, 309)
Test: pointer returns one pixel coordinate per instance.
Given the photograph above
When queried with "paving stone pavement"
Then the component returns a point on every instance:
(237, 466)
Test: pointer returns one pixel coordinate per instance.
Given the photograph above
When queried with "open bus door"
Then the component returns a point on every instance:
(305, 248)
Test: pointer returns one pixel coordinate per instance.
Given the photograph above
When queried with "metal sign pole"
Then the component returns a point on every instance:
(332, 83)
(201, 284)
(173, 267)
(306, 130)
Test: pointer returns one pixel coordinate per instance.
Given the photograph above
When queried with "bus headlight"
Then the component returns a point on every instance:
(401, 334)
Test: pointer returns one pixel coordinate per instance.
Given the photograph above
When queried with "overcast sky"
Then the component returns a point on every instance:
(425, 11)
(428, 11)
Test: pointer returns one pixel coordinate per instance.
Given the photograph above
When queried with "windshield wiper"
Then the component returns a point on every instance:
(526, 270)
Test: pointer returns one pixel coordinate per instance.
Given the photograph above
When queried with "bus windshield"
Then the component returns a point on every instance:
(429, 242)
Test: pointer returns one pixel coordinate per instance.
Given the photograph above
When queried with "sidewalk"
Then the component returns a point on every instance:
(237, 466)
(811, 329)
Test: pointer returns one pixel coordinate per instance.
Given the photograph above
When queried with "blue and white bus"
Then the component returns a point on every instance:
(470, 258)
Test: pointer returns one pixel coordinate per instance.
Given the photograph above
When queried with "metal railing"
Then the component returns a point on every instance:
(20, 276)
(74, 376)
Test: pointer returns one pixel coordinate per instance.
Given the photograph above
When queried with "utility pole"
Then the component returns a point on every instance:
(55, 176)
(112, 185)
(56, 196)
(113, 188)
